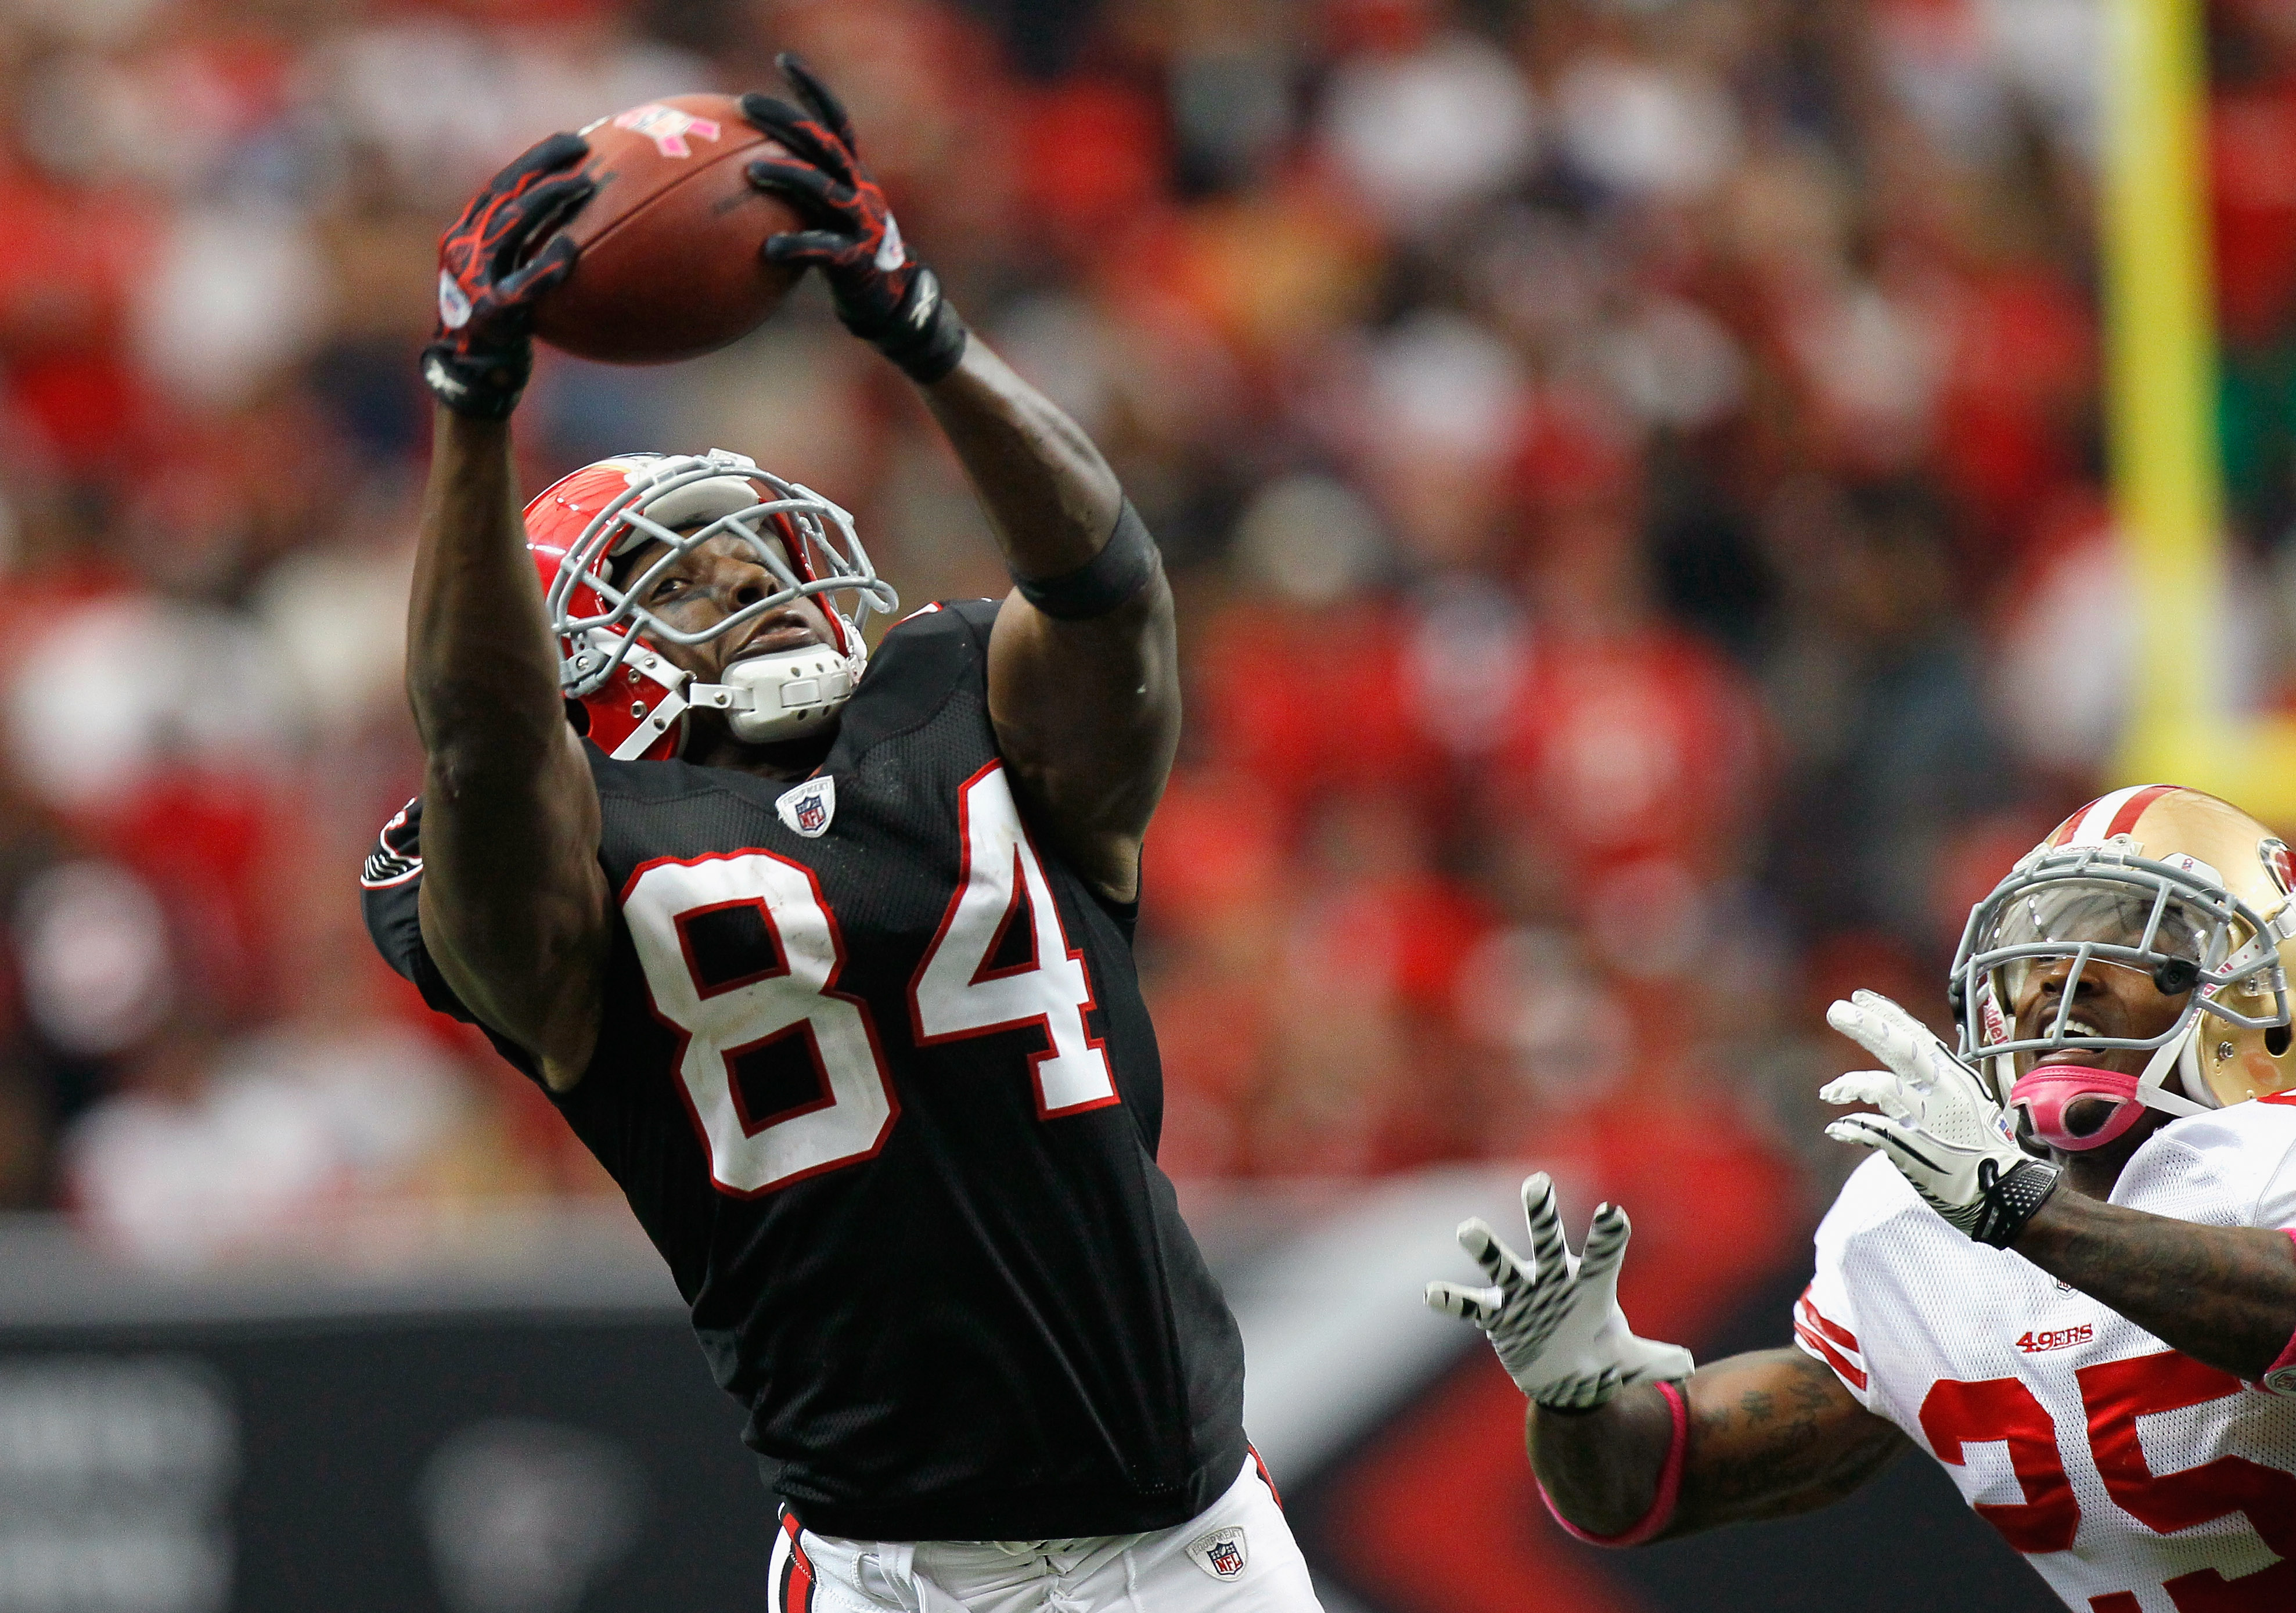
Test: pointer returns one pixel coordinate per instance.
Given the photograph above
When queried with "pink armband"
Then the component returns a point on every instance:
(2279, 1377)
(1670, 1483)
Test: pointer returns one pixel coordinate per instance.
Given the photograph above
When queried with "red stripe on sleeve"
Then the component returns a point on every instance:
(1808, 1308)
(1824, 1351)
(1265, 1477)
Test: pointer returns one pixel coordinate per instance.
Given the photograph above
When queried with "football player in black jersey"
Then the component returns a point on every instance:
(832, 971)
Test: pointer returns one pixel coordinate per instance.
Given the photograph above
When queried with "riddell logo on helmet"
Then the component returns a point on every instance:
(2056, 1339)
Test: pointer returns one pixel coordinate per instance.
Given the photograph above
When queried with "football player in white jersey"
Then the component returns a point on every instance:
(2067, 1274)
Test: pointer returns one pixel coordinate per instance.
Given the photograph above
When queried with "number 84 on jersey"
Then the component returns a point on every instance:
(971, 980)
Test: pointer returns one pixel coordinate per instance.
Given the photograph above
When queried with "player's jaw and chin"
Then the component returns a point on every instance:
(2110, 1001)
(702, 588)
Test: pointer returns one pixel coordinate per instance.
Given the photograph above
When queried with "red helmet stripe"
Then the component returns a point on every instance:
(2124, 821)
(2107, 815)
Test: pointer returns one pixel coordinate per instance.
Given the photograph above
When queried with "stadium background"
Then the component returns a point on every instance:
(1634, 472)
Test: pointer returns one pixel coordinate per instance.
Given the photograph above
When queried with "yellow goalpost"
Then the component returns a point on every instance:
(2160, 355)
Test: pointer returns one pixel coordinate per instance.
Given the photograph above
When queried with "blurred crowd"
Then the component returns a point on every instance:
(1631, 470)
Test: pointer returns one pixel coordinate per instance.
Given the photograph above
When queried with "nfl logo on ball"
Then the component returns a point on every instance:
(667, 126)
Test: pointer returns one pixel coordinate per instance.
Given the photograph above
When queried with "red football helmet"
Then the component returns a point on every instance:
(637, 701)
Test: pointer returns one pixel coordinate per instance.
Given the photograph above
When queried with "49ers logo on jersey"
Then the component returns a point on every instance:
(2055, 1339)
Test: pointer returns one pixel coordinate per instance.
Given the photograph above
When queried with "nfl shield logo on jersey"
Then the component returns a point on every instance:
(1219, 1554)
(808, 808)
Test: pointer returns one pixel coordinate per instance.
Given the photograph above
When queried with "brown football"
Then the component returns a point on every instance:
(669, 265)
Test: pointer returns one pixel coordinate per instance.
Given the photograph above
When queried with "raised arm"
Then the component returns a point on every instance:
(1084, 688)
(2223, 1295)
(1630, 1444)
(513, 904)
(1766, 1434)
(1087, 705)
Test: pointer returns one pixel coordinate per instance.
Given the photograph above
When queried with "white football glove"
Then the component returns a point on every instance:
(1938, 1125)
(1554, 1320)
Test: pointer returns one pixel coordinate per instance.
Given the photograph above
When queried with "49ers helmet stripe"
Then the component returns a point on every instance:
(2108, 815)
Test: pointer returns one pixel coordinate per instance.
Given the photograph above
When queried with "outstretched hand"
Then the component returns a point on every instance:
(1555, 1319)
(1938, 1124)
(884, 294)
(491, 272)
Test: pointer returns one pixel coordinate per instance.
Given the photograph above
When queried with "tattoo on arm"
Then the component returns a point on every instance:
(1773, 1434)
(1770, 1433)
(2224, 1295)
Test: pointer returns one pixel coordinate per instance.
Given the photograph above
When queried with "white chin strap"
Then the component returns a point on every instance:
(768, 698)
(2182, 1052)
(782, 696)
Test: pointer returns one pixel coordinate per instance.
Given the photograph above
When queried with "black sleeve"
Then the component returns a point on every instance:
(390, 886)
(1126, 914)
(925, 660)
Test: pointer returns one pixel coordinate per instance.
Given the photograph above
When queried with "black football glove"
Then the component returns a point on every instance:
(884, 294)
(489, 276)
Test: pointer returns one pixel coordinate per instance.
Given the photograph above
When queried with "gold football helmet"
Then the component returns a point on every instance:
(2178, 885)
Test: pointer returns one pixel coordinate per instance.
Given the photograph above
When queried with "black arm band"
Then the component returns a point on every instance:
(1111, 578)
(2011, 1201)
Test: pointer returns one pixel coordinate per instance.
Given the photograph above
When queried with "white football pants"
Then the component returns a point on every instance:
(1236, 1556)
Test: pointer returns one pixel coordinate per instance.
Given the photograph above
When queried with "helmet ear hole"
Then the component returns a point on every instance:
(2276, 1039)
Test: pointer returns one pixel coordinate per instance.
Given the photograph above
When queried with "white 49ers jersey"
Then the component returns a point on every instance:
(2135, 1479)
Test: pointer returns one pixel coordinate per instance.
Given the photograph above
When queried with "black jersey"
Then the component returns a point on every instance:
(875, 1074)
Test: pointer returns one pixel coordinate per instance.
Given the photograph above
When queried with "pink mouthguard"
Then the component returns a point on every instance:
(2050, 1089)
